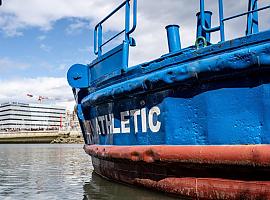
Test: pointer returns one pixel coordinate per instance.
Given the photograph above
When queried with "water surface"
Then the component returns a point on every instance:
(58, 172)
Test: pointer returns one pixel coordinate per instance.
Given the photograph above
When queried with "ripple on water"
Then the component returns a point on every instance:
(58, 172)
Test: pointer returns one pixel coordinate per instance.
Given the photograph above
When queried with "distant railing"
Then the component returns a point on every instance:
(252, 18)
(98, 34)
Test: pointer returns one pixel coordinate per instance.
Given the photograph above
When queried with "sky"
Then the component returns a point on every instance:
(40, 40)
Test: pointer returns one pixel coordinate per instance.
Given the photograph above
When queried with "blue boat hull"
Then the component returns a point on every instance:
(155, 125)
(222, 99)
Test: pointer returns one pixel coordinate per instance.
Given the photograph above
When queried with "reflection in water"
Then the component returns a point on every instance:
(99, 188)
(43, 171)
(58, 172)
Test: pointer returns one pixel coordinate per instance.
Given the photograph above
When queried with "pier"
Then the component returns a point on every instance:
(40, 137)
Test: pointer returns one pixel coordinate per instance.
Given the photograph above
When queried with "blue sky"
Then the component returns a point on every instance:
(37, 53)
(40, 40)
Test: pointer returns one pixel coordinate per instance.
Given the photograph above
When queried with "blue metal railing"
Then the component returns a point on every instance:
(98, 43)
(252, 18)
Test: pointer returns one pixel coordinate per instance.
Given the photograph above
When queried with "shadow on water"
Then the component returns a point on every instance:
(101, 189)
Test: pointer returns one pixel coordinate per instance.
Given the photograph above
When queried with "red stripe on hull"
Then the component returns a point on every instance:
(255, 155)
(204, 172)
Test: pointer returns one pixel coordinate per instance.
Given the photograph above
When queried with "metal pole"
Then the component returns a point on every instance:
(202, 13)
(214, 29)
(99, 40)
(221, 22)
(127, 21)
(126, 41)
(255, 20)
(134, 17)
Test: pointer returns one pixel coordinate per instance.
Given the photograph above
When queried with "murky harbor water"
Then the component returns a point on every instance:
(58, 172)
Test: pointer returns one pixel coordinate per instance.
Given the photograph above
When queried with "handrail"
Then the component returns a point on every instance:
(134, 18)
(252, 9)
(115, 36)
(246, 13)
(98, 44)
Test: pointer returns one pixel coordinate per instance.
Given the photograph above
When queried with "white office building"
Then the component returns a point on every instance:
(20, 116)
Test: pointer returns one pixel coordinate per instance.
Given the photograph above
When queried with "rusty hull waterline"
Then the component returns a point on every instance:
(204, 188)
(195, 187)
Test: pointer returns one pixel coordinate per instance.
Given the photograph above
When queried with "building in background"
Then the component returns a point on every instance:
(16, 116)
(71, 122)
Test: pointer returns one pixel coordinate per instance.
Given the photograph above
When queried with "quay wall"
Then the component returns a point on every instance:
(36, 136)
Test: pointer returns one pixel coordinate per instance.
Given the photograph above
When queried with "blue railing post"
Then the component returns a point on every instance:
(95, 41)
(221, 22)
(252, 18)
(200, 31)
(134, 18)
(99, 40)
(126, 41)
(127, 20)
(214, 29)
(255, 20)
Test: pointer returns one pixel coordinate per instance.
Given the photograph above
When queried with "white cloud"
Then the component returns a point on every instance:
(152, 19)
(42, 14)
(45, 47)
(153, 16)
(6, 64)
(17, 15)
(41, 37)
(77, 26)
(11, 26)
(55, 89)
(62, 67)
